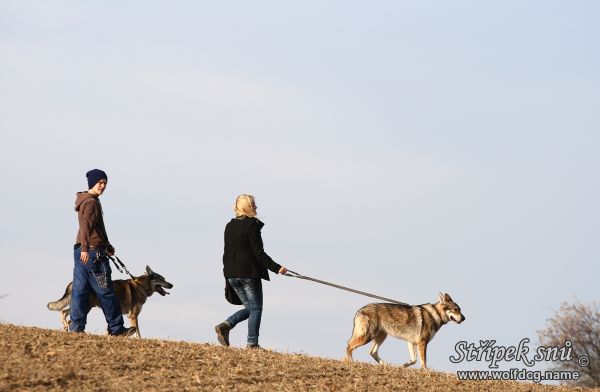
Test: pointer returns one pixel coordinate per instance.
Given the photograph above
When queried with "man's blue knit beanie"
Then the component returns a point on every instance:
(95, 175)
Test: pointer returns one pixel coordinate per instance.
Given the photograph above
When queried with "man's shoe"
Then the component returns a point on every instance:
(254, 347)
(126, 332)
(222, 331)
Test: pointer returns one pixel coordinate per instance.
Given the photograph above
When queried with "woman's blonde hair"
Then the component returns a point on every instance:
(244, 206)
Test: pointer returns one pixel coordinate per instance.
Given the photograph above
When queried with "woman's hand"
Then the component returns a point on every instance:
(282, 270)
(84, 257)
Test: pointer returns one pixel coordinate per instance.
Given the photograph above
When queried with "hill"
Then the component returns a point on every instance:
(35, 359)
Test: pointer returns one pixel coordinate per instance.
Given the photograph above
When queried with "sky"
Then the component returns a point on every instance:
(400, 148)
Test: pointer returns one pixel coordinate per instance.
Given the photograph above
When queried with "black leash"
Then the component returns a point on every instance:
(121, 265)
(293, 274)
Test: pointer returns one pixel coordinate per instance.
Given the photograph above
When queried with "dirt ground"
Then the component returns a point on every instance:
(35, 359)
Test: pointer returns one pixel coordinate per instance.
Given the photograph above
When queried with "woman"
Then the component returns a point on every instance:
(245, 263)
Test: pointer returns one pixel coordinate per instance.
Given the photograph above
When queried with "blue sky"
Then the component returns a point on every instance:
(402, 148)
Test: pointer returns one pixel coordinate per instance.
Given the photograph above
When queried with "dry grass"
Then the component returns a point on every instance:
(34, 359)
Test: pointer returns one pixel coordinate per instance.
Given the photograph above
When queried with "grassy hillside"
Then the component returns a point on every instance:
(34, 359)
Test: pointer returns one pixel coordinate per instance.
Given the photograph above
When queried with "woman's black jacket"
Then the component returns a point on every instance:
(244, 255)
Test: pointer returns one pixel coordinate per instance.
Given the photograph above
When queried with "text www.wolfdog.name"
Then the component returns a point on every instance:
(536, 376)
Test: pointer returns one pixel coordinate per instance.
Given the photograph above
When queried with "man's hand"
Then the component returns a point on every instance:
(84, 257)
(282, 270)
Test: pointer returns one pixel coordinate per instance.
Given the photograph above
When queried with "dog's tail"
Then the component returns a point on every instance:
(64, 301)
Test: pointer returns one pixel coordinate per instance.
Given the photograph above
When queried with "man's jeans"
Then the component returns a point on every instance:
(250, 292)
(95, 275)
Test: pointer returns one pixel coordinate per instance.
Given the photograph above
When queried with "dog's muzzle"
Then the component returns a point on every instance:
(160, 290)
(458, 320)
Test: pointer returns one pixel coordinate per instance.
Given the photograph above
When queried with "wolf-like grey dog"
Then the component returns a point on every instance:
(131, 293)
(417, 325)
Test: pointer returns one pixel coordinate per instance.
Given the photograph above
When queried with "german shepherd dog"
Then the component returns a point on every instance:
(416, 325)
(131, 293)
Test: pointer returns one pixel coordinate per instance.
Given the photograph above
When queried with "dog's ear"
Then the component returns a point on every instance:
(442, 298)
(148, 270)
(448, 298)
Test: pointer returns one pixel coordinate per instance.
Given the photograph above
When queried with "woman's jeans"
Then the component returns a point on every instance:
(250, 293)
(96, 276)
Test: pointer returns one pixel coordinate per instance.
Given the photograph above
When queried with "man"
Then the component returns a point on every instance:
(92, 269)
